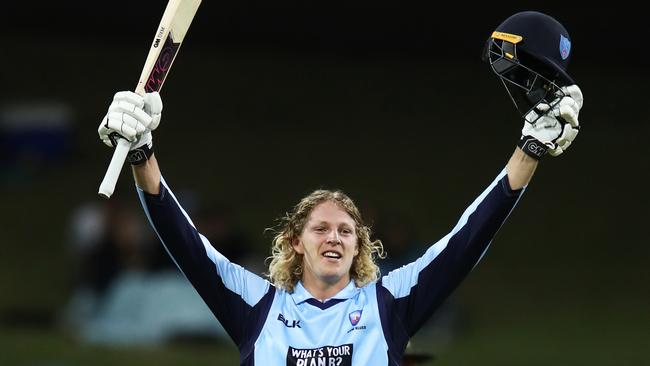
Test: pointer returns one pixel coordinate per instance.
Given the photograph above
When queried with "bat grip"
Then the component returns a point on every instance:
(114, 168)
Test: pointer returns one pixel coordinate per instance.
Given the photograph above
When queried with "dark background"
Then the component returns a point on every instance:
(386, 100)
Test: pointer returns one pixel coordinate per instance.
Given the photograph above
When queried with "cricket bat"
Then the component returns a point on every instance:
(167, 41)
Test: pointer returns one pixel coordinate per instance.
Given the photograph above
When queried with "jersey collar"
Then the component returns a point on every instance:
(300, 294)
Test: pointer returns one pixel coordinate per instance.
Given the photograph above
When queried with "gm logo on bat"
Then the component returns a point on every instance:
(156, 42)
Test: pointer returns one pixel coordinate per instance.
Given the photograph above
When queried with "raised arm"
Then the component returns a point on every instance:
(411, 294)
(237, 297)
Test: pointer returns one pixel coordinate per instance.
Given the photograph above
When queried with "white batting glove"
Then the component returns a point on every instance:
(568, 110)
(554, 130)
(132, 117)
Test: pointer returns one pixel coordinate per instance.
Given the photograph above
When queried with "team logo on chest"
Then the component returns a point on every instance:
(355, 316)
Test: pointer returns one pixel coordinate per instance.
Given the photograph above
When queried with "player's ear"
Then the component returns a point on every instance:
(296, 243)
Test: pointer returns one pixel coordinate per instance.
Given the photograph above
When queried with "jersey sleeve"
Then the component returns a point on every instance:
(410, 294)
(237, 297)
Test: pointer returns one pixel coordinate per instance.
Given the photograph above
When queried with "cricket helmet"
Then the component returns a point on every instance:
(530, 52)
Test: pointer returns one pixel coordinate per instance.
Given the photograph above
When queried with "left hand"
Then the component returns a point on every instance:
(558, 127)
(567, 111)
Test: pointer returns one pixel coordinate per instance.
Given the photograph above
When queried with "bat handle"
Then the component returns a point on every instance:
(114, 168)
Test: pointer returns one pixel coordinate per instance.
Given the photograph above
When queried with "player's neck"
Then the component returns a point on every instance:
(323, 290)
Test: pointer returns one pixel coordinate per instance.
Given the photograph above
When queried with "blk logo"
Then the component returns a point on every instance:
(289, 323)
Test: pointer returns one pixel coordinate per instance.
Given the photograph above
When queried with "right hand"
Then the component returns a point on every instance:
(131, 116)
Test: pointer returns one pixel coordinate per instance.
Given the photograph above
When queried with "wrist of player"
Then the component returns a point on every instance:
(532, 147)
(141, 149)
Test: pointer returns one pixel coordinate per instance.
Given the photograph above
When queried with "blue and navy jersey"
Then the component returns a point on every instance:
(370, 325)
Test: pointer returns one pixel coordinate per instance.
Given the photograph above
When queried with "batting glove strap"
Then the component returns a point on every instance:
(532, 147)
(140, 154)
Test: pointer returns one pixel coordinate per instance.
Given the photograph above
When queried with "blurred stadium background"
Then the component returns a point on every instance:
(386, 100)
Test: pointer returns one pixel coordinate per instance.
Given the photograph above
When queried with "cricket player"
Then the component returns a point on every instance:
(323, 302)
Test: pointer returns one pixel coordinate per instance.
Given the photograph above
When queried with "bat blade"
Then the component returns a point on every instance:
(167, 41)
(154, 81)
(166, 44)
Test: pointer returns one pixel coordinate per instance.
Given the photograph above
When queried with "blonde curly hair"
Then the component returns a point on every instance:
(285, 269)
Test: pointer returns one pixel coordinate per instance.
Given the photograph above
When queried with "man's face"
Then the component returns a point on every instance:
(328, 243)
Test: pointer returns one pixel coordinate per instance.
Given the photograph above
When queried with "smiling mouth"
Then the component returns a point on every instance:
(332, 255)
